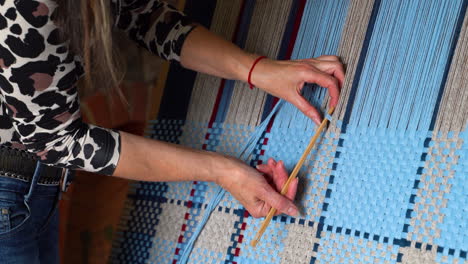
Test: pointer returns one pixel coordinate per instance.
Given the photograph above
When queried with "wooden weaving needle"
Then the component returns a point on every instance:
(293, 175)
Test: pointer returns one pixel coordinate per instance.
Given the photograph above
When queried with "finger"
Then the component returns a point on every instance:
(265, 168)
(271, 162)
(292, 190)
(334, 68)
(327, 81)
(306, 108)
(329, 58)
(276, 200)
(280, 176)
(339, 73)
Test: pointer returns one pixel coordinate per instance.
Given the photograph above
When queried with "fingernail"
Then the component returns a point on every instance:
(292, 211)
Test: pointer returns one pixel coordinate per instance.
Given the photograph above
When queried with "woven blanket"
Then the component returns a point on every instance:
(388, 182)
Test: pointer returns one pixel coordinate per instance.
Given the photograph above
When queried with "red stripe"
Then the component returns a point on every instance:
(217, 102)
(297, 24)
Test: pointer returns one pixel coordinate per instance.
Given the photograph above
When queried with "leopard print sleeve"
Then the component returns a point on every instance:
(39, 104)
(154, 25)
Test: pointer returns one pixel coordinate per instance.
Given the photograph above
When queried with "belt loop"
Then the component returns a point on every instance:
(35, 178)
(64, 179)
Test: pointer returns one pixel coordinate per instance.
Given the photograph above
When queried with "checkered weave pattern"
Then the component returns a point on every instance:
(387, 182)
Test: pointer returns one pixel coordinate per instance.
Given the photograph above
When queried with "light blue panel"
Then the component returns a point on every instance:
(374, 178)
(405, 64)
(288, 145)
(454, 228)
(319, 34)
(271, 243)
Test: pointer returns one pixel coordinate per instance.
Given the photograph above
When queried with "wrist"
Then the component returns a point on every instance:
(243, 66)
(222, 169)
(257, 75)
(252, 68)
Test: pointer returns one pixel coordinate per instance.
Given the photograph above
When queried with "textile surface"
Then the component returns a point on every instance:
(388, 181)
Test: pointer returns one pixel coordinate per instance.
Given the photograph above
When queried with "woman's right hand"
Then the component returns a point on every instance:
(144, 159)
(258, 190)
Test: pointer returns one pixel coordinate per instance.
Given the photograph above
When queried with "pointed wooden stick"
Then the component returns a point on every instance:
(293, 175)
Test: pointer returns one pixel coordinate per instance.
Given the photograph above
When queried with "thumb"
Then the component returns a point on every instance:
(276, 200)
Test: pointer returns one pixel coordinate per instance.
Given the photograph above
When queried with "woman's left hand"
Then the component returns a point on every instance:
(206, 52)
(286, 79)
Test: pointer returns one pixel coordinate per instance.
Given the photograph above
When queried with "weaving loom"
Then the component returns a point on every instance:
(388, 181)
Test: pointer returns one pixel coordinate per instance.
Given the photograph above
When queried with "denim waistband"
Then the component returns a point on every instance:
(22, 187)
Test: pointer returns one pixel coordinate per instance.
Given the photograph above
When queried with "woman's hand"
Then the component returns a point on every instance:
(285, 79)
(206, 52)
(144, 159)
(258, 190)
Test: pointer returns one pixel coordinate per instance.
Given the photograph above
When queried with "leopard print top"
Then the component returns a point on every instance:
(39, 106)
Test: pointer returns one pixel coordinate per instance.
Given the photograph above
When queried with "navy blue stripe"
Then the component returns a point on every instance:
(360, 65)
(288, 31)
(282, 54)
(456, 36)
(179, 83)
(244, 25)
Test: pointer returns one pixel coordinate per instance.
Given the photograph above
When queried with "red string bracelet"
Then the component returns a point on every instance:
(251, 70)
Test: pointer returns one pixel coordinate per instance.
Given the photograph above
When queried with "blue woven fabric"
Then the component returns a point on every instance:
(384, 185)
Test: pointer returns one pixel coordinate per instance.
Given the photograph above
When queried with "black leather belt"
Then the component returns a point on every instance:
(21, 165)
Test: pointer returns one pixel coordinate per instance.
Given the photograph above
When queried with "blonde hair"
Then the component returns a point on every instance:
(87, 25)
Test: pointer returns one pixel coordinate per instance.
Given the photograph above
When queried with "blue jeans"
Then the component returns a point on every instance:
(28, 222)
